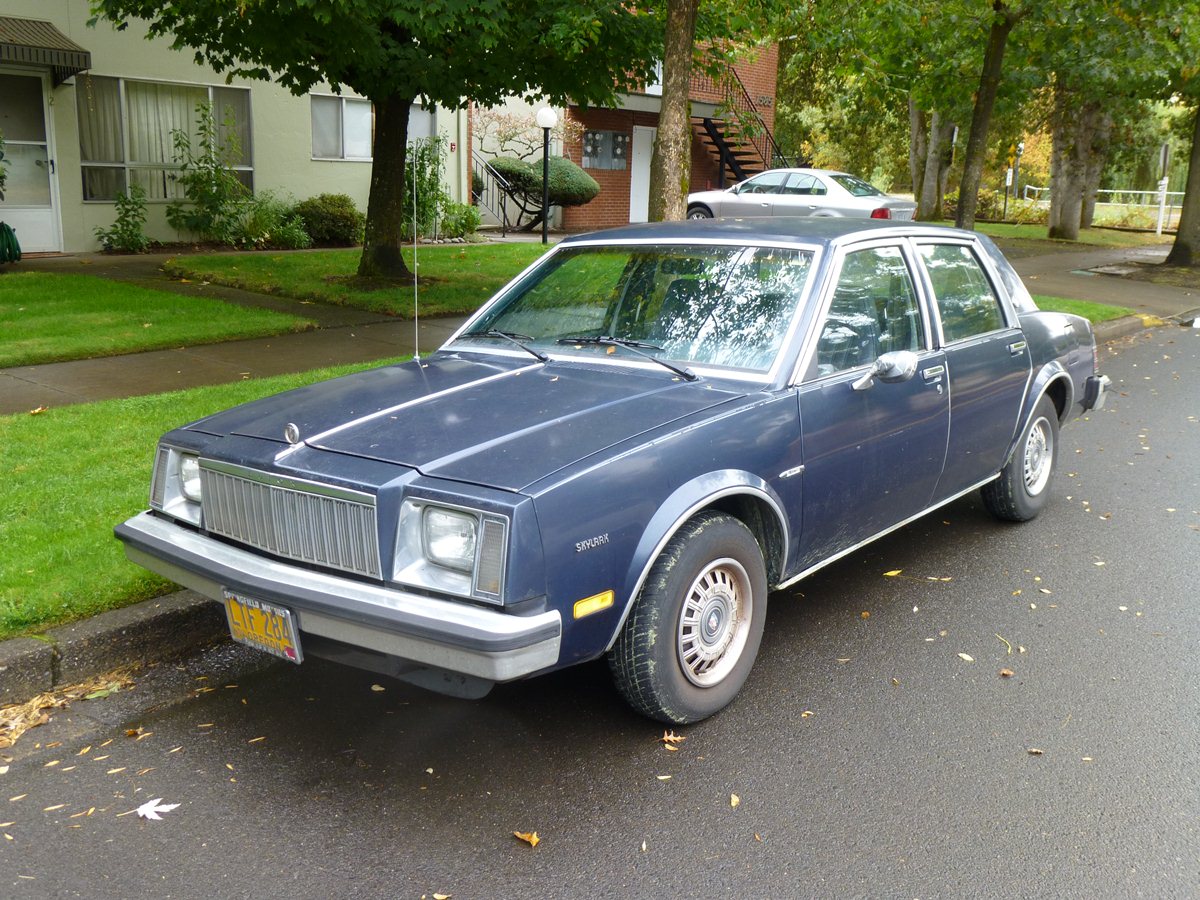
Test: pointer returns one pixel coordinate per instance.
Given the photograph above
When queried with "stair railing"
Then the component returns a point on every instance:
(493, 195)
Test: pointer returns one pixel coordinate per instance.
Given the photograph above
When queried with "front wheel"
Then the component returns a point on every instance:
(699, 212)
(696, 626)
(1023, 488)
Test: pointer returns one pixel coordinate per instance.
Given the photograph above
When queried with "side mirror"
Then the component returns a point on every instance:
(899, 365)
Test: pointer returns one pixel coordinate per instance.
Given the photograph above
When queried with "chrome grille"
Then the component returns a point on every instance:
(295, 519)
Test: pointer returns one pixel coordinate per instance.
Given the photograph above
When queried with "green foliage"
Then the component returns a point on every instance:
(214, 195)
(569, 184)
(332, 220)
(126, 234)
(460, 220)
(424, 169)
(265, 222)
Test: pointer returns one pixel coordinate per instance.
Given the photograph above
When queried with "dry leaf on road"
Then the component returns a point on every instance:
(529, 837)
(735, 801)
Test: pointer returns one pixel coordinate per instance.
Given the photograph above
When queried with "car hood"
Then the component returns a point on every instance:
(494, 421)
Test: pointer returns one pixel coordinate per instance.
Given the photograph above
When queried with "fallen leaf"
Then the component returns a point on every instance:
(151, 808)
(115, 771)
(38, 411)
(529, 837)
(135, 732)
(670, 737)
(865, 614)
(966, 657)
(256, 740)
(893, 573)
(758, 837)
(53, 808)
(442, 896)
(807, 714)
(1006, 673)
(378, 687)
(735, 801)
(663, 777)
(671, 747)
(895, 682)
(1034, 751)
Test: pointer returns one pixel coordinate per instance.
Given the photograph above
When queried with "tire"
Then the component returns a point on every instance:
(699, 212)
(1023, 488)
(710, 576)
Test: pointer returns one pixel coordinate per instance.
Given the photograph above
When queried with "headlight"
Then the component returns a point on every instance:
(189, 476)
(175, 487)
(450, 538)
(453, 549)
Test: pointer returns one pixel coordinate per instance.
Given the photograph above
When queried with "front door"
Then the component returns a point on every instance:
(872, 457)
(639, 173)
(30, 203)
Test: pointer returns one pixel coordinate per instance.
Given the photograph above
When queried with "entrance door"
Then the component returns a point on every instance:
(30, 202)
(639, 173)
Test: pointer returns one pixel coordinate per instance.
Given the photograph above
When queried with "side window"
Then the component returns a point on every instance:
(767, 183)
(874, 311)
(965, 299)
(802, 184)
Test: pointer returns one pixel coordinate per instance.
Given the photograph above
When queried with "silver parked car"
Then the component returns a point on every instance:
(800, 192)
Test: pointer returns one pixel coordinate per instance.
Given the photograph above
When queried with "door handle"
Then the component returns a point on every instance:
(933, 373)
(1017, 347)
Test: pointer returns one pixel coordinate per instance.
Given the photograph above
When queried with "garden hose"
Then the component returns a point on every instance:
(10, 250)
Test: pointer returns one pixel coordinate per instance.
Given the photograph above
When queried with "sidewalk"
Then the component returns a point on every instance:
(134, 634)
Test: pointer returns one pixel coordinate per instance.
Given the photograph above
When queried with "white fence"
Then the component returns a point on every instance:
(1162, 208)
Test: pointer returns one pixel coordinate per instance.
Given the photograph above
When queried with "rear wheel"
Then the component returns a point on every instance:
(699, 212)
(695, 628)
(1023, 488)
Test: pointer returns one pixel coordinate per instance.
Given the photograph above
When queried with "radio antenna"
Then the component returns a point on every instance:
(416, 310)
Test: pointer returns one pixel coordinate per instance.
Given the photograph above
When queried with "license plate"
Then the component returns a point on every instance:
(263, 625)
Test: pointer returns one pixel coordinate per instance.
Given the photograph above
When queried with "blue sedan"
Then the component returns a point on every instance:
(621, 455)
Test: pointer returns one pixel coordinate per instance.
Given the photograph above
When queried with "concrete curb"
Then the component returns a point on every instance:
(1123, 327)
(155, 630)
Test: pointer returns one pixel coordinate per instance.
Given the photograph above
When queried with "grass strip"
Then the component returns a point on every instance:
(47, 317)
(456, 278)
(70, 475)
(1088, 237)
(1094, 312)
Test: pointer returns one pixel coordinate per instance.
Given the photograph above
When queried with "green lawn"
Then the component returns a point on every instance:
(70, 475)
(50, 318)
(1095, 312)
(1088, 237)
(460, 277)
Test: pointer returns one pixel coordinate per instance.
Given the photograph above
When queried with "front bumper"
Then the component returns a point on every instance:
(1095, 390)
(450, 635)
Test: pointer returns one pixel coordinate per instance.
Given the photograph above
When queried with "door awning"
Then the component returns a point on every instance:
(32, 42)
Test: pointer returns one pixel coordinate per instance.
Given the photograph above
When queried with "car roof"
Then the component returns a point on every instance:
(788, 229)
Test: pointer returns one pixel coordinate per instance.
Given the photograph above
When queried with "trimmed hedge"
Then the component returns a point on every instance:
(332, 220)
(569, 184)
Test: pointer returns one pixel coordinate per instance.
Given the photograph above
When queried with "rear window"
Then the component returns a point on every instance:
(857, 186)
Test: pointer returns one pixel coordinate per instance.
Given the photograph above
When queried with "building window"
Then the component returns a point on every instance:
(605, 150)
(342, 128)
(126, 133)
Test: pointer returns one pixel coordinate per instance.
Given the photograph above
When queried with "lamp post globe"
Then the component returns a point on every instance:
(547, 118)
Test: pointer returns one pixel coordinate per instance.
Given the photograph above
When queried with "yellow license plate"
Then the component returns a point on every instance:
(263, 625)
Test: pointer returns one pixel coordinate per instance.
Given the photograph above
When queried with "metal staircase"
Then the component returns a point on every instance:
(739, 140)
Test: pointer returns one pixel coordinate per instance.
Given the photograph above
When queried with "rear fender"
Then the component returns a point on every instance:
(1052, 380)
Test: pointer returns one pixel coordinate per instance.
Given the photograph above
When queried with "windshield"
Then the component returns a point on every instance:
(857, 186)
(713, 305)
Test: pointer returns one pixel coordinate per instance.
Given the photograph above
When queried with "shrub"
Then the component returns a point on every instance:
(423, 167)
(569, 184)
(265, 221)
(332, 220)
(459, 220)
(126, 234)
(989, 206)
(213, 193)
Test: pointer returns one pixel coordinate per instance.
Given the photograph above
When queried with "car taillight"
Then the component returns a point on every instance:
(882, 213)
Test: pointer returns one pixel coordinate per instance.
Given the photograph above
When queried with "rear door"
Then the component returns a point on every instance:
(987, 363)
(872, 458)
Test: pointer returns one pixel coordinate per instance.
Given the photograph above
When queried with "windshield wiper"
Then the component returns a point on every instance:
(638, 347)
(512, 337)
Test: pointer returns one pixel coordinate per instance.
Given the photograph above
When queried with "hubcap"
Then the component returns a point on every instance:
(714, 622)
(1039, 457)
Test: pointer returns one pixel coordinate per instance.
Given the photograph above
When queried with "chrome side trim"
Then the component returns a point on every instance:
(823, 563)
(448, 634)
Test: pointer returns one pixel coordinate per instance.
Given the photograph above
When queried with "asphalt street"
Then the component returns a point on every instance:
(877, 750)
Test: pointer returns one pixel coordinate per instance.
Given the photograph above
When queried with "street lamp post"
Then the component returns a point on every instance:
(546, 119)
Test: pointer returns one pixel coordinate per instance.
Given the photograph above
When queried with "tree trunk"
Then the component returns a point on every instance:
(381, 256)
(981, 117)
(1186, 249)
(937, 162)
(1097, 158)
(671, 162)
(1068, 163)
(918, 147)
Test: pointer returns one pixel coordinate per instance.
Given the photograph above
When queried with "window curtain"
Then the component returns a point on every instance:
(98, 109)
(154, 112)
(327, 127)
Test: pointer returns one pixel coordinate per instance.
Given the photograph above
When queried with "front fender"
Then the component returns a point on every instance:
(683, 503)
